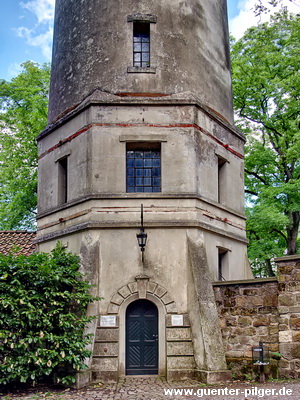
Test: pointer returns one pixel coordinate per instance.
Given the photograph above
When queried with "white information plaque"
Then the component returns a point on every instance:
(108, 321)
(177, 320)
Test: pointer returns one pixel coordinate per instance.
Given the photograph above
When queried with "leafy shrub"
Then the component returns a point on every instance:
(43, 302)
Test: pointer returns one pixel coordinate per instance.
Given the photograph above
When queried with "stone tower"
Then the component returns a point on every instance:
(141, 113)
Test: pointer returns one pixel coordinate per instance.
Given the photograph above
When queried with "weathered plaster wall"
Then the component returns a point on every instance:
(207, 339)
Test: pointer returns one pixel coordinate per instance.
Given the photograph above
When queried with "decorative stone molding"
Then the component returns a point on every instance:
(142, 18)
(142, 286)
(142, 281)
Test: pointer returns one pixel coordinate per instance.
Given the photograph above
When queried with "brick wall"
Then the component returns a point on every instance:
(266, 310)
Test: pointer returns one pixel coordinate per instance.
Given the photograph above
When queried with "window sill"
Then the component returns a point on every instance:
(141, 70)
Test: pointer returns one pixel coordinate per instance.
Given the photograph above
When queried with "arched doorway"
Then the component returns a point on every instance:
(142, 338)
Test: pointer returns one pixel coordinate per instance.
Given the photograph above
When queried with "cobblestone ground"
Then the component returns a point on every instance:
(154, 388)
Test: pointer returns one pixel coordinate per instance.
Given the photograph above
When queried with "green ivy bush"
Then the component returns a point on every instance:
(43, 302)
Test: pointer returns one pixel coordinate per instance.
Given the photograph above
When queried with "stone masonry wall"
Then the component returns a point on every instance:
(266, 310)
(248, 314)
(289, 312)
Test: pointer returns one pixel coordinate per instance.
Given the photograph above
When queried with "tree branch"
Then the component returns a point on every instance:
(251, 192)
(257, 121)
(256, 176)
(281, 234)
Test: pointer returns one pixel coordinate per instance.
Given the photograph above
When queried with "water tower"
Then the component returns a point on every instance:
(140, 140)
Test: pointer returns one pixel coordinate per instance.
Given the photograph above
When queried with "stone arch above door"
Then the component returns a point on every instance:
(141, 287)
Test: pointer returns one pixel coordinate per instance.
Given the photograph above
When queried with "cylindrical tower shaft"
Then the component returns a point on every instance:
(141, 46)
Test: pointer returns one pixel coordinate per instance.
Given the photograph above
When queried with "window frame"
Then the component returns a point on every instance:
(222, 177)
(143, 169)
(141, 19)
(223, 263)
(63, 180)
(63, 169)
(141, 44)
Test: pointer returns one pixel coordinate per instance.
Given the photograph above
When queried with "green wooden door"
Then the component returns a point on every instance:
(141, 338)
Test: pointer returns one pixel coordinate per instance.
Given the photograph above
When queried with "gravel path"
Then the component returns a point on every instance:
(153, 388)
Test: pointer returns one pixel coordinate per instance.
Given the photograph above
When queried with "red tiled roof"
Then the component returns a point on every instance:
(20, 242)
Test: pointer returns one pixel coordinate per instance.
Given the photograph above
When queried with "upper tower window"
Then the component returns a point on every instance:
(141, 28)
(141, 44)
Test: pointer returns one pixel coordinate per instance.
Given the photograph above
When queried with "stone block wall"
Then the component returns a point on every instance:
(248, 314)
(266, 310)
(289, 311)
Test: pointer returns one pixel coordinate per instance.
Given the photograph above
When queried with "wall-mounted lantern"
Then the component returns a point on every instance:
(261, 357)
(142, 236)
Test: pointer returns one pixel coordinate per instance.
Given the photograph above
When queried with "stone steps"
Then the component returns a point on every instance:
(180, 351)
(105, 355)
(180, 362)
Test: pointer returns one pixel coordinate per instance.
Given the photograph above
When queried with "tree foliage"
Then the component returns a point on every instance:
(266, 6)
(23, 115)
(266, 84)
(43, 302)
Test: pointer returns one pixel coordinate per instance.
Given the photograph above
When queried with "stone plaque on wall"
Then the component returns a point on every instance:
(109, 321)
(177, 320)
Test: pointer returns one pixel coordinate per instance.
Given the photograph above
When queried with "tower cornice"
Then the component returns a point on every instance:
(98, 97)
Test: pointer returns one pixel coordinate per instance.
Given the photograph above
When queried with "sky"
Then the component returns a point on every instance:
(26, 29)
